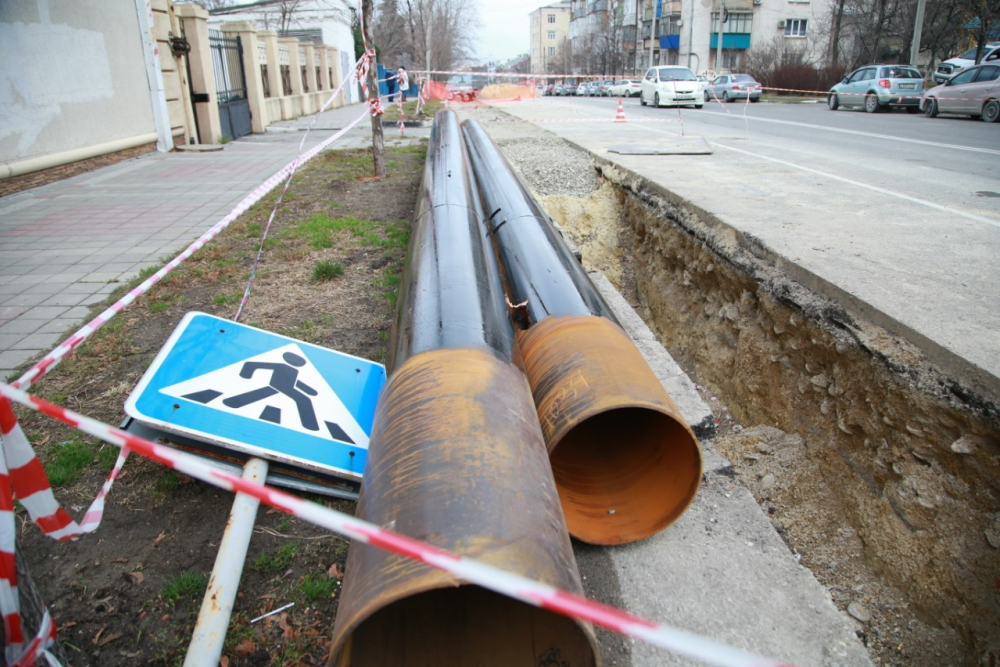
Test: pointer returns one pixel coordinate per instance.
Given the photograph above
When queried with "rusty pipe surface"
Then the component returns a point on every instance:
(451, 295)
(457, 459)
(538, 266)
(625, 461)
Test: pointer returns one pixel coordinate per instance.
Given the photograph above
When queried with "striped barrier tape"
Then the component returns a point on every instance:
(508, 584)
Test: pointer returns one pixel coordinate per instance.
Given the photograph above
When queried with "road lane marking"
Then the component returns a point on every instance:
(874, 188)
(920, 142)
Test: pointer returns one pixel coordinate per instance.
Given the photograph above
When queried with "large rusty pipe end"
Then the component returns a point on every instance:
(625, 462)
(457, 459)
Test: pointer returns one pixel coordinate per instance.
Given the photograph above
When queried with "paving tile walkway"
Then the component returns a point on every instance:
(65, 246)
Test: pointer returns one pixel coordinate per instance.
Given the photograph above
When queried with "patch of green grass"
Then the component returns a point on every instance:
(317, 586)
(254, 229)
(189, 584)
(67, 460)
(282, 524)
(106, 457)
(167, 482)
(223, 299)
(325, 271)
(279, 560)
(391, 278)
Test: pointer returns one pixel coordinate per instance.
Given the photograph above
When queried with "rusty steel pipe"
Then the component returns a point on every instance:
(625, 462)
(457, 459)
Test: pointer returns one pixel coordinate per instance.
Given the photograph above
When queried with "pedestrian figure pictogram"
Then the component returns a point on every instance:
(283, 380)
(259, 392)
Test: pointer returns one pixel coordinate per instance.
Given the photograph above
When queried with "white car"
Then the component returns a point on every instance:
(625, 88)
(952, 66)
(672, 86)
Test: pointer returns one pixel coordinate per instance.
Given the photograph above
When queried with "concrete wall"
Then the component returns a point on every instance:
(72, 79)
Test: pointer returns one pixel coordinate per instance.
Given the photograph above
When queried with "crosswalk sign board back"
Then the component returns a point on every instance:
(261, 394)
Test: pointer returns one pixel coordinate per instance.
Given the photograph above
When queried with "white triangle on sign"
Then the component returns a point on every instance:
(281, 387)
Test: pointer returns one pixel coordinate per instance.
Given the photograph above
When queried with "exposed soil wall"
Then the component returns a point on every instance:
(873, 463)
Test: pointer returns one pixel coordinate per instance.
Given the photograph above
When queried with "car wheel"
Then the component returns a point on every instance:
(755, 99)
(871, 103)
(642, 100)
(656, 100)
(991, 111)
(725, 96)
(833, 102)
(931, 108)
(706, 96)
(698, 106)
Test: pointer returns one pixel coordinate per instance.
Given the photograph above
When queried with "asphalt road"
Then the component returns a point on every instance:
(951, 162)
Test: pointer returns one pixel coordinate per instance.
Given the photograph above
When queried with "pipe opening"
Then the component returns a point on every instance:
(466, 625)
(625, 474)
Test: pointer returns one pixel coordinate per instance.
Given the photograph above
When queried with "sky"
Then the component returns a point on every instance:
(504, 31)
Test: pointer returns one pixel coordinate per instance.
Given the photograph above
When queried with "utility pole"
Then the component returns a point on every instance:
(718, 45)
(918, 27)
(378, 143)
(652, 32)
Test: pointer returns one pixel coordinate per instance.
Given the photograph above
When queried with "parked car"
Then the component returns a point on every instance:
(625, 88)
(729, 87)
(603, 86)
(671, 86)
(877, 87)
(549, 89)
(952, 66)
(593, 87)
(974, 91)
(583, 89)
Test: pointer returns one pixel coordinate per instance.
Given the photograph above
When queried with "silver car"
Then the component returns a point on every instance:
(877, 87)
(671, 86)
(972, 92)
(729, 87)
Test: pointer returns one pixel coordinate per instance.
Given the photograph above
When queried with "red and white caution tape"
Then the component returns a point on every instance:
(512, 585)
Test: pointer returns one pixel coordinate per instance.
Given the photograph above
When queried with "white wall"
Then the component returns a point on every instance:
(72, 75)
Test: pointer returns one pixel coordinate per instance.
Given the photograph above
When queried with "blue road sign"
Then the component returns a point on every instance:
(262, 394)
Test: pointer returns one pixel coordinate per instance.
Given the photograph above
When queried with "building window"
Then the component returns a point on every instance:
(795, 28)
(551, 51)
(669, 25)
(738, 22)
(551, 18)
(730, 57)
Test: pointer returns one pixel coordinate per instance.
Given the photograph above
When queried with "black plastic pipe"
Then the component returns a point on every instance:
(451, 295)
(540, 269)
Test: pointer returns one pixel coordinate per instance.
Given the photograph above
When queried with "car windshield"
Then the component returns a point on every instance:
(677, 74)
(744, 77)
(901, 73)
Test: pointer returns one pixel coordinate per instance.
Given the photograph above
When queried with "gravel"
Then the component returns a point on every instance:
(548, 164)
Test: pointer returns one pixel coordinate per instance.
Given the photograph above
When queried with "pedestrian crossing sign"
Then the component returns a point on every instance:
(262, 394)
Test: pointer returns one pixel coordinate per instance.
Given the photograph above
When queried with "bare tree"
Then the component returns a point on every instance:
(985, 18)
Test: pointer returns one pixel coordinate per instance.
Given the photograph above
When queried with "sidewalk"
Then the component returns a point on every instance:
(67, 245)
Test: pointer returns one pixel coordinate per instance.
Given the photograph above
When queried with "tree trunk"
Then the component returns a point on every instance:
(378, 143)
(835, 47)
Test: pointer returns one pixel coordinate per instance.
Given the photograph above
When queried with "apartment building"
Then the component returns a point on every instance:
(550, 34)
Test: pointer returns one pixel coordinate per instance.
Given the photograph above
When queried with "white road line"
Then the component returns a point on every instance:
(874, 188)
(974, 149)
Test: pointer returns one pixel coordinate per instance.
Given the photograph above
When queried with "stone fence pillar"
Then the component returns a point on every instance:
(206, 103)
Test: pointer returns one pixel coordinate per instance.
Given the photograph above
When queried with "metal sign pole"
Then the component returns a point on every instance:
(213, 619)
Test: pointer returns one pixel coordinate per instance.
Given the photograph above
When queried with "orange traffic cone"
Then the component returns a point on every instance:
(620, 118)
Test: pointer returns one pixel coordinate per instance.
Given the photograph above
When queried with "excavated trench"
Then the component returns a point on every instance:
(879, 470)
